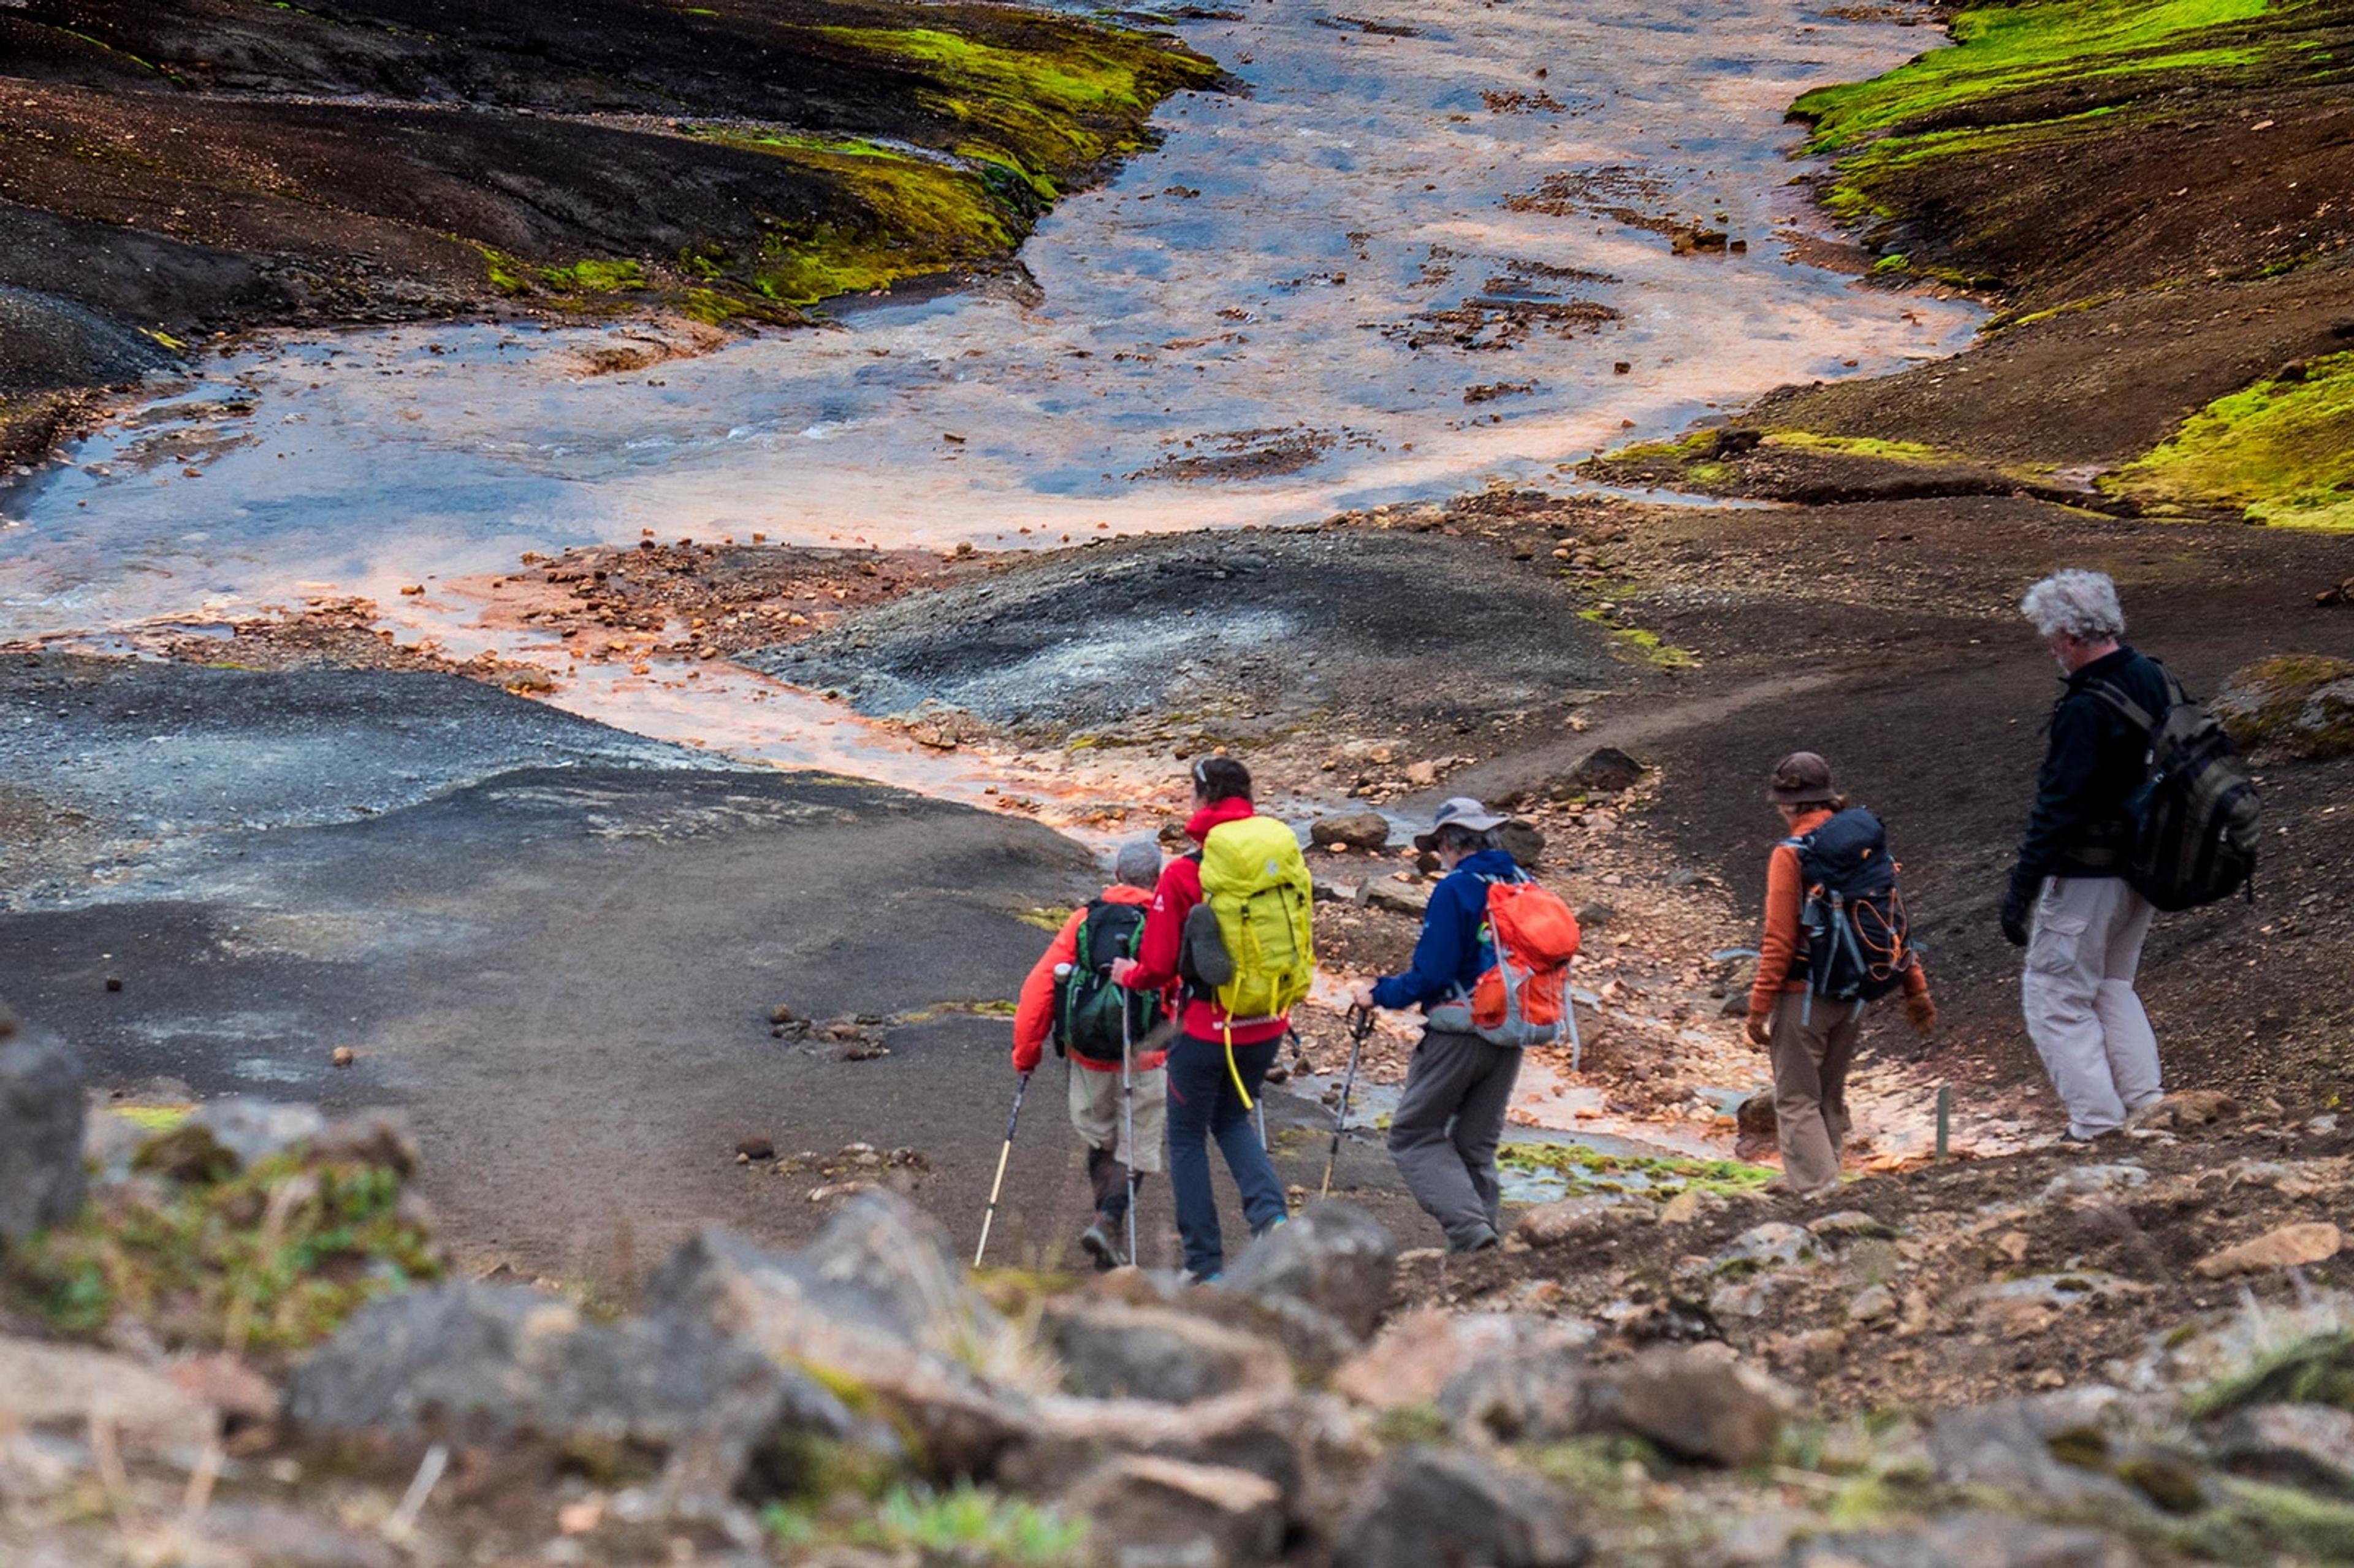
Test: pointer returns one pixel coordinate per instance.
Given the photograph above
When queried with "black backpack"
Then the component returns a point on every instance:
(1088, 1008)
(1859, 944)
(2195, 817)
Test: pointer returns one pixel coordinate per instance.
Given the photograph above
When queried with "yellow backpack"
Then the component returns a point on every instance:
(1256, 882)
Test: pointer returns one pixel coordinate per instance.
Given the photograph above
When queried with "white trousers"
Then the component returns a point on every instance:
(2083, 946)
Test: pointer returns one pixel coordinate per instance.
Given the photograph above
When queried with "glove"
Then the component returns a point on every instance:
(1921, 1012)
(2015, 906)
(1760, 1029)
(1123, 972)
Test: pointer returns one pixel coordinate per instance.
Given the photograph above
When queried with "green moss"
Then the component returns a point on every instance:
(964, 1524)
(2003, 49)
(1860, 446)
(2277, 451)
(275, 1257)
(2318, 1370)
(154, 1118)
(1582, 1169)
(1408, 1424)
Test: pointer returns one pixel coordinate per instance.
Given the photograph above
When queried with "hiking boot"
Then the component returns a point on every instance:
(1278, 1220)
(1485, 1240)
(2143, 1111)
(1096, 1243)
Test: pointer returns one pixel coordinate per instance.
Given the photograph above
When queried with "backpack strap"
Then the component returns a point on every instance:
(2133, 712)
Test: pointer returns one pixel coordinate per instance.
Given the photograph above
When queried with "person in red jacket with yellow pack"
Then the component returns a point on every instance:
(1249, 873)
(1115, 1163)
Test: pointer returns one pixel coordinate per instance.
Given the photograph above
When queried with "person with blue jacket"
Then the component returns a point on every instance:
(1451, 1116)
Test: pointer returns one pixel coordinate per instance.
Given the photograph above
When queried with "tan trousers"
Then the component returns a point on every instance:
(2084, 948)
(1096, 1112)
(1811, 1048)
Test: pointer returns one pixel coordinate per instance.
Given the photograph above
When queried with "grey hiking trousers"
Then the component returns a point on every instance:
(1445, 1133)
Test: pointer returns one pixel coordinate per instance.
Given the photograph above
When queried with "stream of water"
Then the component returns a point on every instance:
(1275, 315)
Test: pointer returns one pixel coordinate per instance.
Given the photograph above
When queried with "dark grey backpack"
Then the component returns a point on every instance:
(2196, 816)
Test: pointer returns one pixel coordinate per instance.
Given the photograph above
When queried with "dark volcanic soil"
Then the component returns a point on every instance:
(1252, 635)
(193, 169)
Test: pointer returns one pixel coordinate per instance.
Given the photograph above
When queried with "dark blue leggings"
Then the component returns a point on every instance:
(1202, 1105)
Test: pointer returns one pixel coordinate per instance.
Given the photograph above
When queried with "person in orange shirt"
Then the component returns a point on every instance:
(1810, 1039)
(1097, 1108)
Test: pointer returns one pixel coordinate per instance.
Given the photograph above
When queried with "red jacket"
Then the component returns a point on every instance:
(1033, 1018)
(1164, 930)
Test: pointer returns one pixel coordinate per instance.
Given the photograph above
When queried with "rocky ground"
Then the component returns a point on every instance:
(230, 1338)
(175, 172)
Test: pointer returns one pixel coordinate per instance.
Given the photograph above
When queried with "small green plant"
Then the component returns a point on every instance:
(273, 1258)
(966, 1524)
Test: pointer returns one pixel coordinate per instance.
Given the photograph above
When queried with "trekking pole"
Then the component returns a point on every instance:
(988, 1216)
(1569, 1010)
(1128, 1116)
(1360, 1025)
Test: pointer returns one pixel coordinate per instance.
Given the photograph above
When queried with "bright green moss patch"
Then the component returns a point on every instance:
(1581, 1170)
(1860, 446)
(2278, 452)
(964, 1524)
(154, 1118)
(2002, 49)
(272, 1258)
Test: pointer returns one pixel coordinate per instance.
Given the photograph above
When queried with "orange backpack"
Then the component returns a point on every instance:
(1523, 998)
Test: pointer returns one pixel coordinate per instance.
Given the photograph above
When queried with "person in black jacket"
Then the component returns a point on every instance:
(2069, 905)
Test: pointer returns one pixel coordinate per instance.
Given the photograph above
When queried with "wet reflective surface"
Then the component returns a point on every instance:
(1280, 312)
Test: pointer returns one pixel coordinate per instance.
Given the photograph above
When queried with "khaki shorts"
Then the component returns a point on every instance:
(1095, 1111)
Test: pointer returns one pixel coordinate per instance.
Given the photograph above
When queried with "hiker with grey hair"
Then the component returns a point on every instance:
(2069, 905)
(1069, 997)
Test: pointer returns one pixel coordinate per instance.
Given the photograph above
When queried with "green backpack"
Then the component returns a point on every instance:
(1256, 882)
(1088, 1008)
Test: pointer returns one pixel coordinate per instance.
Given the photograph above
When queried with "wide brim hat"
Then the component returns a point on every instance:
(1801, 778)
(1462, 811)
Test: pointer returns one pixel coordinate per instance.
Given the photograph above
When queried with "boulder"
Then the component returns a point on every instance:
(1605, 770)
(225, 1137)
(491, 1364)
(1149, 1512)
(1692, 1403)
(2016, 1445)
(2189, 1107)
(1692, 1205)
(1424, 1507)
(1113, 1351)
(1773, 1245)
(879, 1299)
(1531, 1393)
(1584, 1219)
(1274, 1435)
(1335, 1258)
(40, 1130)
(1356, 830)
(2289, 1246)
(1419, 1354)
(1395, 897)
(1973, 1538)
(1756, 1126)
(1850, 1225)
(69, 1387)
(1524, 842)
(2308, 1445)
(2298, 704)
(2094, 1181)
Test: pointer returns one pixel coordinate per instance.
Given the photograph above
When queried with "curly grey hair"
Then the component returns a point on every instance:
(2080, 603)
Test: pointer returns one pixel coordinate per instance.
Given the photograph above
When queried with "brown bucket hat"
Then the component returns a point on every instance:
(1802, 779)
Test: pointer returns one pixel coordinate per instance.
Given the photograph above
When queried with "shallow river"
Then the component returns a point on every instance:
(1276, 315)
